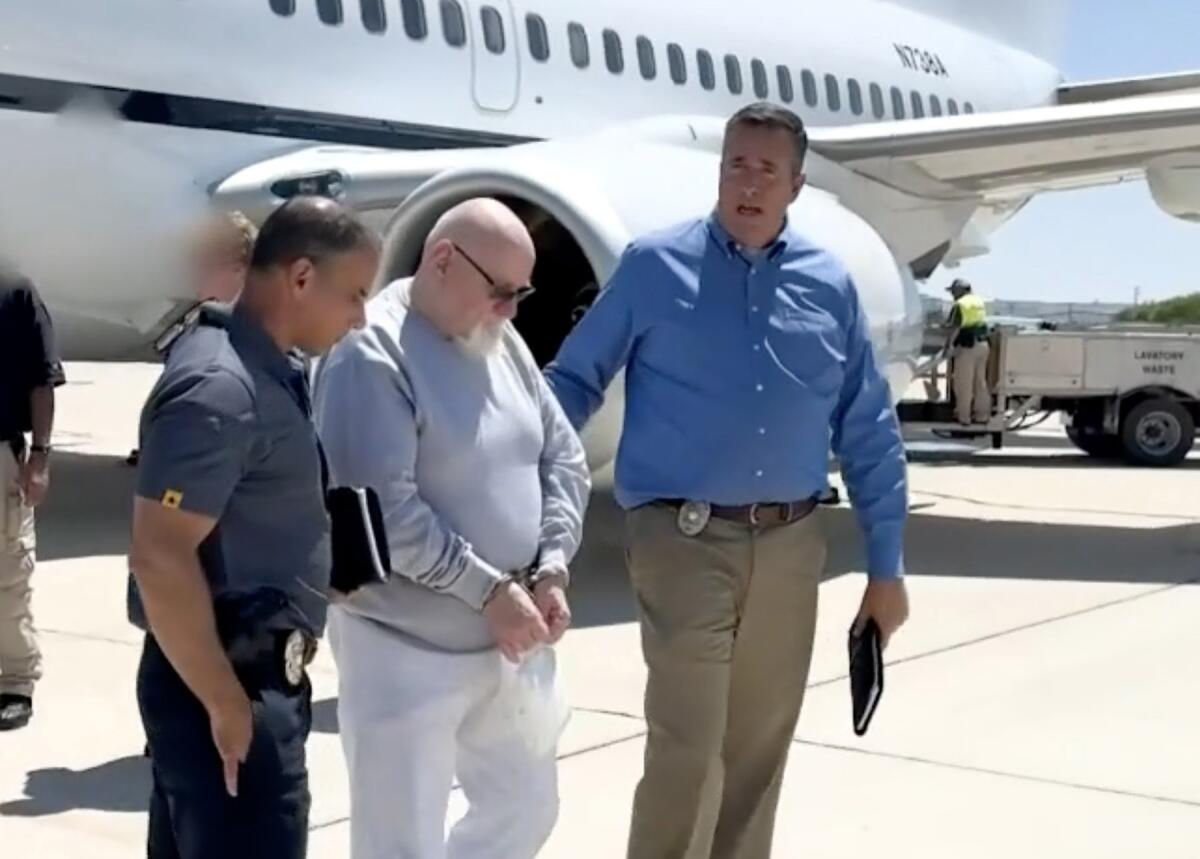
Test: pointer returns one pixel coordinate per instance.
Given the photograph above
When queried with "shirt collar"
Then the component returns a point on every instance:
(730, 246)
(253, 342)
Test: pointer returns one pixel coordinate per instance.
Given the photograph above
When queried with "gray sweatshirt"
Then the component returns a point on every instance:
(477, 469)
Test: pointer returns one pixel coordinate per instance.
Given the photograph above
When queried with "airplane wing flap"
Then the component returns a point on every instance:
(1007, 155)
(1104, 90)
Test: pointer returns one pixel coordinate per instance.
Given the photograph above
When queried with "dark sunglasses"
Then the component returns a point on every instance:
(496, 292)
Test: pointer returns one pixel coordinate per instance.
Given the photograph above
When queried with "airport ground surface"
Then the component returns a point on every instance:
(1041, 702)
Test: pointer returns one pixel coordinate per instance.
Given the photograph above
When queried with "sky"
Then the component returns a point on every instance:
(1100, 244)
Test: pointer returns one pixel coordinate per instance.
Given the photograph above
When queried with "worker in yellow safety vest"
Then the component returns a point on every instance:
(968, 344)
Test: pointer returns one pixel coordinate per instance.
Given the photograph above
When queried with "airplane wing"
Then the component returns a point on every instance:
(1003, 157)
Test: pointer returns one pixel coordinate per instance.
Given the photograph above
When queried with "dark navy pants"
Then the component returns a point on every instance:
(191, 814)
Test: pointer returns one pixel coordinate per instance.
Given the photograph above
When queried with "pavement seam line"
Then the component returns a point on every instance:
(1114, 791)
(991, 636)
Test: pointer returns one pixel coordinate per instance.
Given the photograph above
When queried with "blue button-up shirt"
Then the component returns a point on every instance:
(742, 369)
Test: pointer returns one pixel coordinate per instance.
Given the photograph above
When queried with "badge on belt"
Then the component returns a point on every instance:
(295, 657)
(693, 516)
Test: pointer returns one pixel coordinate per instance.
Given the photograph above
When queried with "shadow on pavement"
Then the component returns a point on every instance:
(927, 449)
(119, 785)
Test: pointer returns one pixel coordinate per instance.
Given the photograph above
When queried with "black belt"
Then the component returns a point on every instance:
(759, 513)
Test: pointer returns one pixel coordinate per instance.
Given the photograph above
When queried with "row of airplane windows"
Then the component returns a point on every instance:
(454, 31)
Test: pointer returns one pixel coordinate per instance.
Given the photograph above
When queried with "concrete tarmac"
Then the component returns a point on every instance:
(1040, 702)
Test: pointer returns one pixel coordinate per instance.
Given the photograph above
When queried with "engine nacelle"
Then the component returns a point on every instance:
(1174, 182)
(582, 205)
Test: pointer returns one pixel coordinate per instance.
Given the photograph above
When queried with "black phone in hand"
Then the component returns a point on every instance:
(866, 673)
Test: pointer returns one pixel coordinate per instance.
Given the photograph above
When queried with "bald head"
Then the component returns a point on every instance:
(477, 263)
(481, 221)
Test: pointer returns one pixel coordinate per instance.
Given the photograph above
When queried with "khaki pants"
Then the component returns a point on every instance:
(20, 661)
(972, 399)
(727, 622)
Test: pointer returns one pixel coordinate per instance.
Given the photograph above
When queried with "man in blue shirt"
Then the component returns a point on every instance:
(747, 357)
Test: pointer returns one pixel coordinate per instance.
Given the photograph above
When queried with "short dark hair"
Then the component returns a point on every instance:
(309, 227)
(764, 114)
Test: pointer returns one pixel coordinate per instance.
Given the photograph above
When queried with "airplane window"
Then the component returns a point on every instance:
(577, 36)
(917, 105)
(283, 7)
(708, 72)
(614, 58)
(493, 29)
(897, 103)
(935, 105)
(758, 73)
(733, 73)
(539, 39)
(374, 16)
(454, 26)
(413, 12)
(968, 107)
(808, 82)
(677, 63)
(952, 107)
(330, 12)
(856, 99)
(833, 93)
(646, 61)
(877, 101)
(787, 92)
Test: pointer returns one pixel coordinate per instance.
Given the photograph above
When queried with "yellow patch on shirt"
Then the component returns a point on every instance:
(171, 498)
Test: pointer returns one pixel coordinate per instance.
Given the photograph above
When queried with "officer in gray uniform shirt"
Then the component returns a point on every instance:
(230, 551)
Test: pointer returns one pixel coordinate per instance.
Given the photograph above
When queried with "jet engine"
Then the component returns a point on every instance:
(584, 199)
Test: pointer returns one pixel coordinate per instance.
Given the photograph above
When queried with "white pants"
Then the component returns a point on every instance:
(411, 720)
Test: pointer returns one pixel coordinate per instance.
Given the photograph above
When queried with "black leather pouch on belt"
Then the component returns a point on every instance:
(265, 638)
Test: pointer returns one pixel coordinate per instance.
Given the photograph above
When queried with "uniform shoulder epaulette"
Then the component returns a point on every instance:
(202, 313)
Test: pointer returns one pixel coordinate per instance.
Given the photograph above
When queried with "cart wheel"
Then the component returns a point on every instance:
(1157, 432)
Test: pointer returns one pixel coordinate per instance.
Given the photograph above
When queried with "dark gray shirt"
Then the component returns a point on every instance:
(227, 432)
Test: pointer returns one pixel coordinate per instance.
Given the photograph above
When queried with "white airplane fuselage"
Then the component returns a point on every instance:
(119, 119)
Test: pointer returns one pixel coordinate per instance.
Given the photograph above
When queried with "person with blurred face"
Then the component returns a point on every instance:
(438, 406)
(220, 256)
(747, 358)
(230, 552)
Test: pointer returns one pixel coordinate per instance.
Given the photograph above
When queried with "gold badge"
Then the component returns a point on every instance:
(171, 498)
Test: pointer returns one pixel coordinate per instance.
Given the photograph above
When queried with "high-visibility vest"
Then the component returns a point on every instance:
(971, 311)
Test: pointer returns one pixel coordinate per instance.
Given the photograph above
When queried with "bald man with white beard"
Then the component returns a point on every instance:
(438, 405)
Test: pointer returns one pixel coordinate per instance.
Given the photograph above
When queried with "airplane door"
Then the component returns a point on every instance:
(495, 71)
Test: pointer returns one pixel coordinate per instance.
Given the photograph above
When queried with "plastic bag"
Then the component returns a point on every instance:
(538, 702)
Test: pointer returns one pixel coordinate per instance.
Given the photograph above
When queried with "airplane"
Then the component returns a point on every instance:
(930, 125)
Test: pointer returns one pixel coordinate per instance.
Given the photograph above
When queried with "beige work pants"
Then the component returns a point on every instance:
(727, 622)
(20, 661)
(972, 399)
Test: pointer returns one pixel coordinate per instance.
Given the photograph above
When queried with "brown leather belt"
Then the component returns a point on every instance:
(775, 513)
